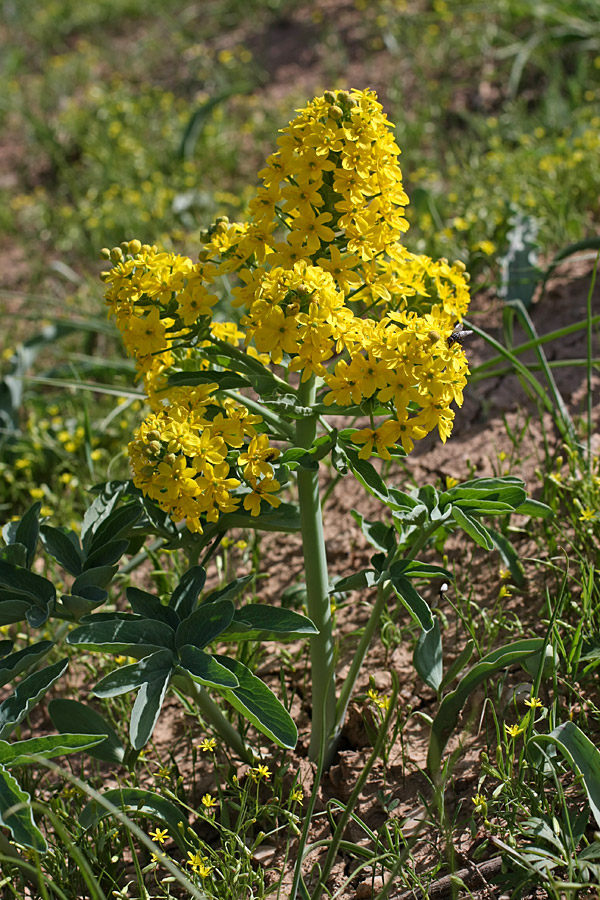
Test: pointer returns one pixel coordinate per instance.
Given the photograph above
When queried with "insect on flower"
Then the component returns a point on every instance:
(458, 335)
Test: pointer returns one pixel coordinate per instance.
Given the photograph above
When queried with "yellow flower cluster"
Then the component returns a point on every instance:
(326, 288)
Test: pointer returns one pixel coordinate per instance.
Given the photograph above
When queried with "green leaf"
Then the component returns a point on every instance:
(476, 531)
(184, 597)
(285, 518)
(414, 568)
(358, 581)
(411, 599)
(135, 801)
(64, 547)
(203, 668)
(22, 753)
(131, 677)
(534, 508)
(259, 705)
(99, 578)
(28, 531)
(581, 754)
(82, 604)
(448, 714)
(131, 637)
(427, 658)
(147, 706)
(229, 591)
(226, 381)
(16, 813)
(379, 534)
(106, 555)
(27, 693)
(257, 621)
(100, 510)
(205, 624)
(15, 554)
(22, 584)
(12, 610)
(150, 607)
(366, 473)
(459, 663)
(64, 713)
(116, 526)
(13, 665)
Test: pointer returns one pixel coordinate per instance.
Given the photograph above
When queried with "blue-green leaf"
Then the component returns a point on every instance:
(65, 714)
(473, 528)
(130, 677)
(131, 637)
(22, 753)
(427, 658)
(13, 665)
(203, 668)
(106, 555)
(64, 547)
(261, 622)
(16, 813)
(184, 597)
(28, 531)
(581, 754)
(150, 607)
(147, 706)
(99, 578)
(27, 693)
(259, 705)
(412, 600)
(448, 713)
(205, 624)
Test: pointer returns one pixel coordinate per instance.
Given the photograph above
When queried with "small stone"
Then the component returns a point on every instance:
(366, 890)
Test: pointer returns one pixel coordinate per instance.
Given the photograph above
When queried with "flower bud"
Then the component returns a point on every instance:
(205, 236)
(105, 253)
(147, 471)
(170, 459)
(204, 256)
(335, 113)
(459, 264)
(153, 448)
(343, 96)
(434, 336)
(134, 247)
(329, 96)
(153, 435)
(221, 219)
(116, 254)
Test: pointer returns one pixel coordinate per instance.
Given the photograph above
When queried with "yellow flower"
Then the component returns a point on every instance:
(513, 730)
(587, 514)
(159, 835)
(297, 795)
(209, 802)
(208, 745)
(534, 703)
(260, 771)
(199, 864)
(163, 772)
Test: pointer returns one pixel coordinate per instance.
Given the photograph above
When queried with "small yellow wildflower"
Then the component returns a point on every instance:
(513, 730)
(260, 771)
(534, 703)
(209, 802)
(587, 515)
(163, 772)
(198, 864)
(208, 745)
(160, 835)
(36, 493)
(504, 574)
(297, 795)
(504, 592)
(451, 482)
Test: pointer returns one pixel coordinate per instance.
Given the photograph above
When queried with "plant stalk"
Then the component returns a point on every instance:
(317, 585)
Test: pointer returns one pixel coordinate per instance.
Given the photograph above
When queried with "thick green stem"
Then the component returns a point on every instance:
(317, 585)
(213, 715)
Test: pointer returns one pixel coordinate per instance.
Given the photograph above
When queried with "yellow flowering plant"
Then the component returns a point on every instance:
(336, 317)
(344, 348)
